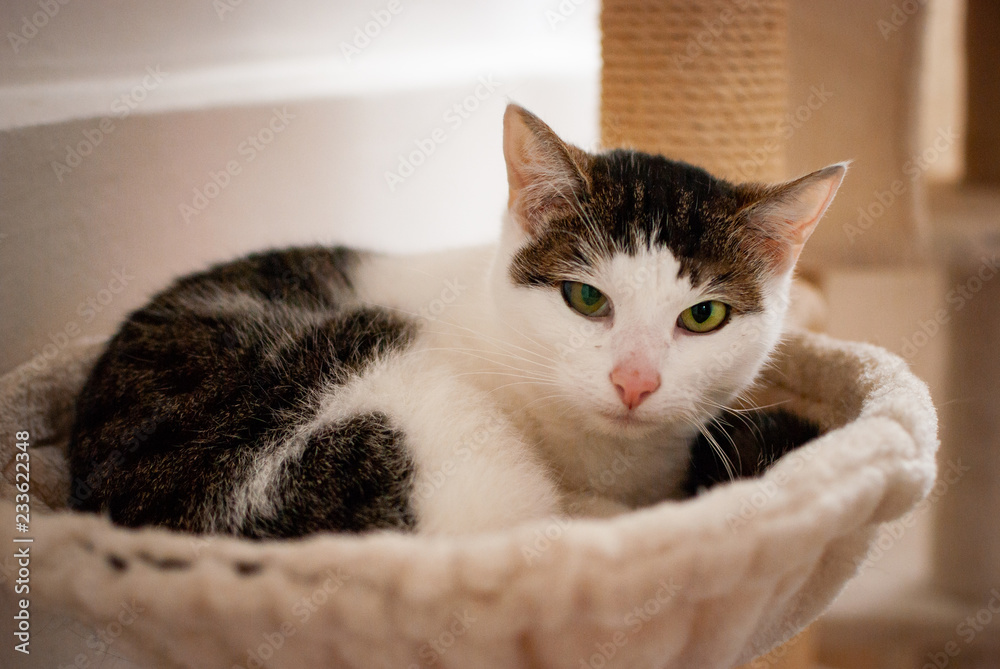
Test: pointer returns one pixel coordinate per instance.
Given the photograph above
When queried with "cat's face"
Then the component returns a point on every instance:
(645, 291)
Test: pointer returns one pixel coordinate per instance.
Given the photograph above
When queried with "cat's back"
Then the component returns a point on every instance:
(212, 370)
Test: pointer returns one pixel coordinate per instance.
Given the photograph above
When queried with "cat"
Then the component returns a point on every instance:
(582, 365)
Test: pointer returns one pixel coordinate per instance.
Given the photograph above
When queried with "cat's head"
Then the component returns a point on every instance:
(649, 291)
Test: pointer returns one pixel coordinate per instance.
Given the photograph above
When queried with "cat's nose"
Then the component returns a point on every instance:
(634, 384)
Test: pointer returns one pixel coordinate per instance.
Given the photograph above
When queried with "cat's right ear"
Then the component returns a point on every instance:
(545, 175)
(786, 215)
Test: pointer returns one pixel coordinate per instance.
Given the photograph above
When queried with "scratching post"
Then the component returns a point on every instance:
(707, 83)
(704, 82)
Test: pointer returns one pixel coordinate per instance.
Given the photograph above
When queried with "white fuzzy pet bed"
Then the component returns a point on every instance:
(708, 582)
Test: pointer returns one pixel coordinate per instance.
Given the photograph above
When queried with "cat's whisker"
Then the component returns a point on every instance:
(504, 347)
(588, 219)
(269, 369)
(727, 463)
(761, 407)
(566, 410)
(547, 398)
(518, 383)
(477, 334)
(740, 399)
(478, 355)
(739, 414)
(484, 353)
(495, 372)
(485, 356)
(542, 345)
(525, 379)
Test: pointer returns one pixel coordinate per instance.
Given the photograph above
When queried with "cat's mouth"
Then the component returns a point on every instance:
(627, 418)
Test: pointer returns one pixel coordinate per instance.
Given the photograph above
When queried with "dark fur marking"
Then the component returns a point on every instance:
(180, 400)
(248, 568)
(299, 276)
(352, 476)
(752, 448)
(166, 564)
(117, 563)
(635, 197)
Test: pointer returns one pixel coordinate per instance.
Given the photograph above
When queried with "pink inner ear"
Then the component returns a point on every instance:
(786, 218)
(517, 160)
(542, 177)
(815, 201)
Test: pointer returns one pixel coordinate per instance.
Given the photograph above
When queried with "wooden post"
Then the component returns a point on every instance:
(982, 152)
(706, 82)
(701, 81)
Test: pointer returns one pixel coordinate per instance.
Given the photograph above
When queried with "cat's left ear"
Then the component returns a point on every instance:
(546, 176)
(784, 216)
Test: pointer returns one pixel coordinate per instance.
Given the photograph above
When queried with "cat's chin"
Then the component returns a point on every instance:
(628, 422)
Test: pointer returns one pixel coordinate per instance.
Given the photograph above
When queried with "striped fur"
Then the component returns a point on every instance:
(312, 389)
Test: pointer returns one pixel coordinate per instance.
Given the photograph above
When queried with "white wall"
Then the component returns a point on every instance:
(82, 243)
(83, 84)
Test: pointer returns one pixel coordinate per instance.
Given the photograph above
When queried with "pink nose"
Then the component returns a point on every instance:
(634, 384)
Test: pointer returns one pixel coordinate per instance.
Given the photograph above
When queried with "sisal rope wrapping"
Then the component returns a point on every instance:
(701, 81)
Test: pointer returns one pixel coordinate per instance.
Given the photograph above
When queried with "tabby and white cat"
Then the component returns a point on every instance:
(578, 366)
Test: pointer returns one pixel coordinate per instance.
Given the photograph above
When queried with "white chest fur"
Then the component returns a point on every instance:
(520, 370)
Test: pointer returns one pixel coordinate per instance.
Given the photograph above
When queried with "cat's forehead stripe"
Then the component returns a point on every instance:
(637, 202)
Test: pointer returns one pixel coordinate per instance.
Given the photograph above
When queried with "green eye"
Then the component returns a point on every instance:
(704, 316)
(585, 299)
